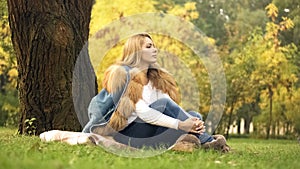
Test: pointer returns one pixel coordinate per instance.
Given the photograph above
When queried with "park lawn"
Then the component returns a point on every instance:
(25, 152)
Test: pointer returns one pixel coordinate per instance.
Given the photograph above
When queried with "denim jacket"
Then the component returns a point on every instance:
(103, 105)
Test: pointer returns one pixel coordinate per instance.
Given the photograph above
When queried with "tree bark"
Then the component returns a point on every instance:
(48, 36)
(230, 117)
(248, 121)
(238, 123)
(269, 125)
(229, 123)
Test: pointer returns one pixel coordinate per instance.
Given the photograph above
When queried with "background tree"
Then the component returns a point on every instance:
(47, 37)
(176, 56)
(274, 69)
(240, 93)
(9, 106)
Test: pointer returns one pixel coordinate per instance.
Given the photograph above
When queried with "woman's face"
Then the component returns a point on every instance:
(148, 52)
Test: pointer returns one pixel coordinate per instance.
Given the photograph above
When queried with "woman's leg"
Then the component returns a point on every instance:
(170, 108)
(141, 134)
(195, 114)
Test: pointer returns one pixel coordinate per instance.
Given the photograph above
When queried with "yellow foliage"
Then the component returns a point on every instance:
(293, 77)
(178, 11)
(286, 24)
(272, 30)
(272, 11)
(13, 73)
(174, 55)
(3, 60)
(211, 41)
(190, 6)
(187, 12)
(8, 107)
(106, 11)
(7, 60)
(194, 15)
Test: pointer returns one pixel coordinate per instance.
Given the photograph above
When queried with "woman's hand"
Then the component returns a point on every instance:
(192, 125)
(199, 127)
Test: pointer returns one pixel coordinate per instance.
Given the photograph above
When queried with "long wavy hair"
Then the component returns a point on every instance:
(159, 77)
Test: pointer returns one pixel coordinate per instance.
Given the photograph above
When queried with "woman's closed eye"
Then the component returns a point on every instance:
(149, 45)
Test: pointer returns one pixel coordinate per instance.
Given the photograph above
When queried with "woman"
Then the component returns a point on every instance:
(148, 113)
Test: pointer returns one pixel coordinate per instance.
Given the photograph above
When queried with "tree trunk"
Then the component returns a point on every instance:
(238, 123)
(270, 113)
(287, 124)
(48, 36)
(230, 119)
(278, 127)
(248, 121)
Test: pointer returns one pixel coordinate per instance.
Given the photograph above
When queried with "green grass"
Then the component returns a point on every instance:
(24, 152)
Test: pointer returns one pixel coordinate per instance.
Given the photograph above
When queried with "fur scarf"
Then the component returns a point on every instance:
(115, 78)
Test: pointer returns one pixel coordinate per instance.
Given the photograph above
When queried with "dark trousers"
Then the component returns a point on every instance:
(141, 134)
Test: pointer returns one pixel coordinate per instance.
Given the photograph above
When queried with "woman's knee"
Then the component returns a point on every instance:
(196, 114)
(164, 100)
(160, 104)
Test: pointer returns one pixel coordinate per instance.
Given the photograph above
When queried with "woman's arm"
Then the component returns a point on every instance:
(155, 117)
(152, 116)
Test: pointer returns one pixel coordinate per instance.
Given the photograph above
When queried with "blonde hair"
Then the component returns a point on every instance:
(160, 78)
(132, 49)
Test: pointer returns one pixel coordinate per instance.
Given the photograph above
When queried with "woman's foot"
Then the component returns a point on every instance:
(219, 143)
(186, 143)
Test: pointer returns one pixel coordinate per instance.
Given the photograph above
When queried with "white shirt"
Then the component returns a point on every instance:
(143, 111)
